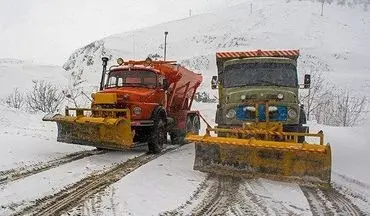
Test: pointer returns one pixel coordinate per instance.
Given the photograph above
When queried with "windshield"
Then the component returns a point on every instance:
(139, 78)
(265, 74)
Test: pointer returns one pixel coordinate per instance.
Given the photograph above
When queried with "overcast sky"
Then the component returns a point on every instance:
(48, 31)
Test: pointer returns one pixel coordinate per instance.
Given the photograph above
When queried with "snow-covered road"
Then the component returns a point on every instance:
(169, 186)
(39, 175)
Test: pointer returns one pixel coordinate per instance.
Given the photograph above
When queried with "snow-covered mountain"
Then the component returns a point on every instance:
(335, 44)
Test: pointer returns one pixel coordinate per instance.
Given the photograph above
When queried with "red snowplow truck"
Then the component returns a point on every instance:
(138, 101)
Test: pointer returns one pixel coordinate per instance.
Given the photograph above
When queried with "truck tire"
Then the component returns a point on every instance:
(188, 124)
(192, 124)
(158, 136)
(177, 138)
(196, 124)
(302, 117)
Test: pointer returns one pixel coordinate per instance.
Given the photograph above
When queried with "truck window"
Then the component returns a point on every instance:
(160, 81)
(140, 78)
(112, 81)
(120, 81)
(260, 74)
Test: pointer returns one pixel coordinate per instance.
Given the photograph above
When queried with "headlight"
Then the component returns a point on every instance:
(120, 61)
(280, 96)
(136, 110)
(273, 108)
(292, 114)
(231, 114)
(250, 108)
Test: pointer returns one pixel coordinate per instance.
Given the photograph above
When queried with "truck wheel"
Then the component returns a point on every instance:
(196, 124)
(177, 138)
(189, 124)
(302, 117)
(158, 137)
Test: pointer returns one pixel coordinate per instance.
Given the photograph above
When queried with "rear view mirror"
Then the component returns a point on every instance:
(214, 82)
(307, 81)
(165, 84)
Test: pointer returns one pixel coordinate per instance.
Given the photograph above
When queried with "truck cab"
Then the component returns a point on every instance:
(137, 102)
(259, 89)
(137, 88)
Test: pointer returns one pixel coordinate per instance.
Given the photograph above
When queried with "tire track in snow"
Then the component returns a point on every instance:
(221, 195)
(212, 202)
(317, 204)
(353, 181)
(204, 186)
(257, 205)
(72, 195)
(254, 189)
(353, 189)
(359, 197)
(329, 202)
(10, 175)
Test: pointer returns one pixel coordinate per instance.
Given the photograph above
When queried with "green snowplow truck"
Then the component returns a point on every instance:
(260, 123)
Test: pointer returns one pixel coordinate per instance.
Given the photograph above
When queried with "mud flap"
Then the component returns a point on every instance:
(304, 163)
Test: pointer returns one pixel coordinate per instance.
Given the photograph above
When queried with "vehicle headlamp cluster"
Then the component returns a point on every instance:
(272, 109)
(231, 114)
(280, 96)
(136, 110)
(120, 61)
(292, 113)
(250, 108)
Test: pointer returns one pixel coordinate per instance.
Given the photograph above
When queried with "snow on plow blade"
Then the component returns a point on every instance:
(298, 162)
(109, 132)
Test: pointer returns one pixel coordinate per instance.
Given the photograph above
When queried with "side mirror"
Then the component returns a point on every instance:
(307, 81)
(165, 84)
(214, 82)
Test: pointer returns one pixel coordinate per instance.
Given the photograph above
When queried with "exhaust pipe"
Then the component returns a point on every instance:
(105, 63)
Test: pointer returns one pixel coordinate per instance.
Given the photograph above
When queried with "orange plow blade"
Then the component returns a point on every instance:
(109, 132)
(278, 160)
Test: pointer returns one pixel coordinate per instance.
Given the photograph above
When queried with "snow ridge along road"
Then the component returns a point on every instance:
(83, 189)
(22, 172)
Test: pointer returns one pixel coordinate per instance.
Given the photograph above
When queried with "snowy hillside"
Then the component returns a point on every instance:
(335, 44)
(15, 73)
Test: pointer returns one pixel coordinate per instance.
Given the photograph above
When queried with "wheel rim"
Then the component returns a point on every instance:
(189, 125)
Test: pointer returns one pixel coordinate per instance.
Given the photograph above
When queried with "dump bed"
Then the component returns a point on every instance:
(183, 85)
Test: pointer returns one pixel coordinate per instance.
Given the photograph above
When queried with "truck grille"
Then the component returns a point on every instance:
(281, 114)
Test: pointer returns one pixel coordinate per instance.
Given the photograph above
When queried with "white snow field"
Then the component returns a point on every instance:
(35, 170)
